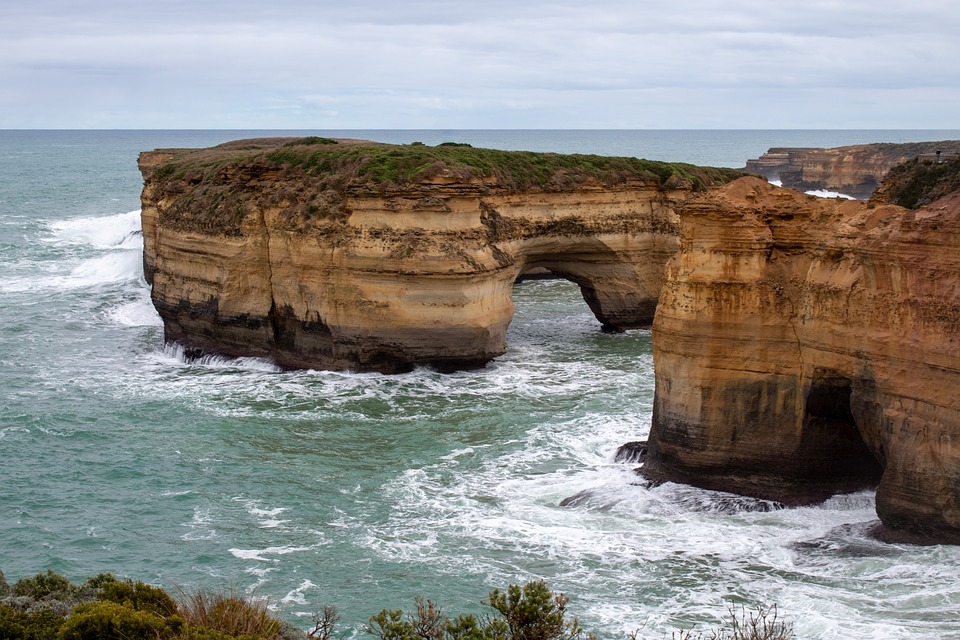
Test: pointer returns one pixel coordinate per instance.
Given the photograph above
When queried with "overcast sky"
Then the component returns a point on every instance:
(387, 64)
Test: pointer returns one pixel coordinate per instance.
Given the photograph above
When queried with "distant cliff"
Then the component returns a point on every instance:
(346, 255)
(808, 346)
(855, 170)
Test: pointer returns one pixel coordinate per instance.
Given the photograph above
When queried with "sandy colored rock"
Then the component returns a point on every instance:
(805, 347)
(252, 249)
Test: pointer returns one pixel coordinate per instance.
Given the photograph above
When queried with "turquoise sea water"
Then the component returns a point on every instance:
(364, 491)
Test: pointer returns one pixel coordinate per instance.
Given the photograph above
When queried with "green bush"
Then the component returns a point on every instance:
(311, 140)
(40, 624)
(112, 621)
(42, 585)
(530, 612)
(139, 596)
(533, 612)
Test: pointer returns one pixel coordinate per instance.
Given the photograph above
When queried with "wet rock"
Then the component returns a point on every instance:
(631, 452)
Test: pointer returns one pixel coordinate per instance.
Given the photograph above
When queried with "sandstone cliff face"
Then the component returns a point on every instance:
(806, 346)
(250, 255)
(854, 170)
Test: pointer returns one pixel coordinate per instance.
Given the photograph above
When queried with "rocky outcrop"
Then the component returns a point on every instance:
(344, 255)
(805, 347)
(855, 170)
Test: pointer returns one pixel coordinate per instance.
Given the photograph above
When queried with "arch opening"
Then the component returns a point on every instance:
(832, 440)
(621, 294)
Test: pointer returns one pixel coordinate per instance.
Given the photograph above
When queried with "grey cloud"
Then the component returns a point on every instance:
(389, 64)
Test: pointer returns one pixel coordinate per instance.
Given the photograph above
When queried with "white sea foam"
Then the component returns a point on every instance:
(137, 313)
(258, 554)
(122, 266)
(200, 525)
(118, 231)
(820, 193)
(175, 353)
(823, 193)
(266, 518)
(10, 430)
(95, 251)
(297, 596)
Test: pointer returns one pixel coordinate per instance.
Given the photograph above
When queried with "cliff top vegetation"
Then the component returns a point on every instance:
(920, 181)
(360, 164)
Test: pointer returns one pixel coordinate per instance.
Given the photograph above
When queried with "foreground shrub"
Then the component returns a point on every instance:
(530, 612)
(112, 621)
(47, 606)
(533, 612)
(136, 595)
(33, 625)
(43, 585)
(228, 613)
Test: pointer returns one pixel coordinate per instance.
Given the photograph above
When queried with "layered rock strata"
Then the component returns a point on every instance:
(854, 170)
(371, 257)
(805, 347)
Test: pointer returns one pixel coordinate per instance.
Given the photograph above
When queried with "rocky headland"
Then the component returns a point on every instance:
(805, 347)
(339, 254)
(854, 170)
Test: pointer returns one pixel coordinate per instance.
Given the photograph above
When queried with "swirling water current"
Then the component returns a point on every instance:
(361, 490)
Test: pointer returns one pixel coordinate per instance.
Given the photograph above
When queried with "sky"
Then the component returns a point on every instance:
(490, 64)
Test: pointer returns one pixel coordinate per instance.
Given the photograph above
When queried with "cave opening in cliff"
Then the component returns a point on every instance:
(832, 437)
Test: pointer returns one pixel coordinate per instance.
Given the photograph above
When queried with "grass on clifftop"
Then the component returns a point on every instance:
(514, 170)
(358, 163)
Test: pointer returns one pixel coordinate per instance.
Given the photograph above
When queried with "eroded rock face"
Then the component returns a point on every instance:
(805, 347)
(855, 170)
(318, 269)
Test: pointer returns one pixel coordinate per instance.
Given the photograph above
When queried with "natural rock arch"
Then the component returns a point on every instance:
(253, 259)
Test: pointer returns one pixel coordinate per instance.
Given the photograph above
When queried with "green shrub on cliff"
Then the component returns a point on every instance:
(138, 596)
(917, 182)
(108, 620)
(530, 612)
(48, 606)
(42, 585)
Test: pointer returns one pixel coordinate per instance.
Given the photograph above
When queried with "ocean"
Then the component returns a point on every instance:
(363, 491)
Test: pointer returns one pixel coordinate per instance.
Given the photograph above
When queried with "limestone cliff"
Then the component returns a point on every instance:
(346, 255)
(807, 346)
(855, 170)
